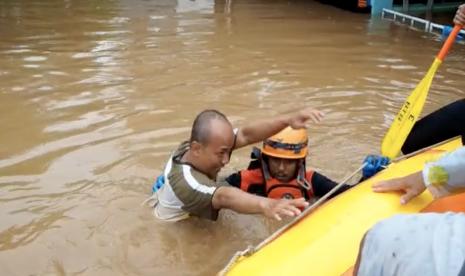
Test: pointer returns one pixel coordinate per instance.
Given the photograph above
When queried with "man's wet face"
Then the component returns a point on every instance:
(215, 154)
(282, 169)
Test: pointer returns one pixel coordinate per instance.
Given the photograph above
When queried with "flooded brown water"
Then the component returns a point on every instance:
(95, 94)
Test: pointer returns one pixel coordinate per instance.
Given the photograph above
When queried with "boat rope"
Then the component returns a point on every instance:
(335, 189)
(251, 250)
(425, 149)
(247, 252)
(308, 209)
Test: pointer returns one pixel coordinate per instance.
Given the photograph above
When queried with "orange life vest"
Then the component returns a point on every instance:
(254, 179)
(452, 203)
(274, 188)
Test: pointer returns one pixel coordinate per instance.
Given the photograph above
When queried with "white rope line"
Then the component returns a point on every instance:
(251, 250)
(247, 252)
(309, 209)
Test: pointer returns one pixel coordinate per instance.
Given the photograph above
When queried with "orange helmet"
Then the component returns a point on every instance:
(289, 143)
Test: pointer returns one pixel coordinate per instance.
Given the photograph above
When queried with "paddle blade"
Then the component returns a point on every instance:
(408, 115)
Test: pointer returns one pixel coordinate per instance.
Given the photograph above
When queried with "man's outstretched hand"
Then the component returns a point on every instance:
(278, 208)
(301, 118)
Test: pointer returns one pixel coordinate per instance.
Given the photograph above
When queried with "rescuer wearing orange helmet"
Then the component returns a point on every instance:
(278, 169)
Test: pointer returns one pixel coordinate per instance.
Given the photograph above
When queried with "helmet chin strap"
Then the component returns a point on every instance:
(265, 169)
(301, 176)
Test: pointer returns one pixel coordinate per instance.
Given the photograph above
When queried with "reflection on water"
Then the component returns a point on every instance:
(95, 95)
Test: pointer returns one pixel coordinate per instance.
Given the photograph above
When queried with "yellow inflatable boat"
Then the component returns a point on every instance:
(326, 241)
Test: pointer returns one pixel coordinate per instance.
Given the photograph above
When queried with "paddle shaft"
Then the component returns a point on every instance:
(413, 106)
(449, 42)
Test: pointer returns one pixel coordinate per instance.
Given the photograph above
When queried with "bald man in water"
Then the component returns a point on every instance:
(191, 187)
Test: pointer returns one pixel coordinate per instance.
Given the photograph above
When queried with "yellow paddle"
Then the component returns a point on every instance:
(408, 114)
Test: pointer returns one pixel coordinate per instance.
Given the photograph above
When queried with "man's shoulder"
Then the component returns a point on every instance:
(185, 173)
(180, 151)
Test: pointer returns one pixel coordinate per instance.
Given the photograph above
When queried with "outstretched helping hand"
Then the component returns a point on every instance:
(277, 208)
(300, 119)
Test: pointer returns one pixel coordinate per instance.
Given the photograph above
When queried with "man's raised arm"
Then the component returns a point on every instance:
(260, 130)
